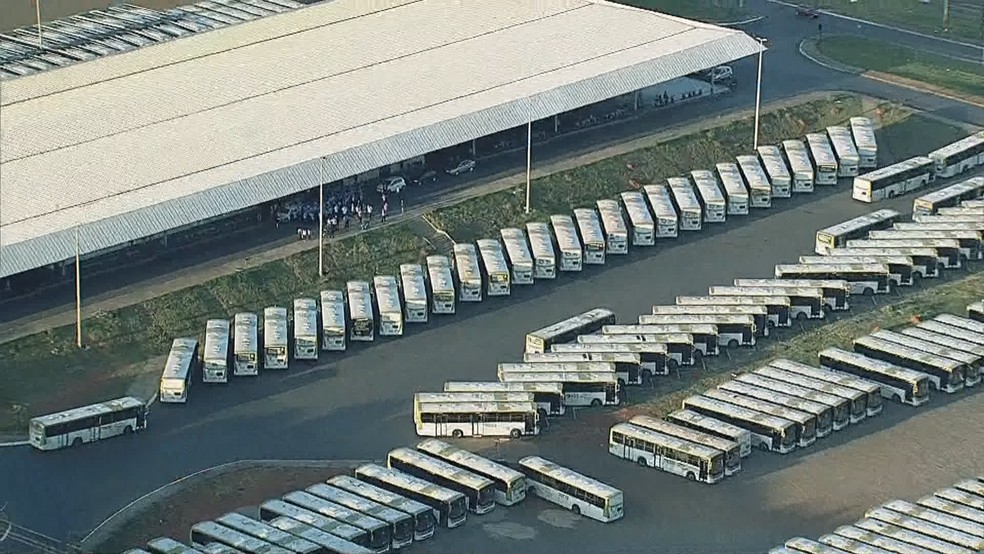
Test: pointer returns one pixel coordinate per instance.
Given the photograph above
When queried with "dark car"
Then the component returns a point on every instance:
(805, 11)
(426, 178)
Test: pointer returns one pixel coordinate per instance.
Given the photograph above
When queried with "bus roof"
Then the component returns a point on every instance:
(842, 379)
(961, 322)
(861, 222)
(376, 494)
(107, 407)
(663, 329)
(612, 347)
(655, 339)
(236, 539)
(953, 191)
(305, 317)
(357, 502)
(736, 300)
(833, 266)
(315, 535)
(479, 396)
(312, 518)
(761, 406)
(800, 544)
(741, 412)
(775, 290)
(560, 359)
(170, 546)
(708, 422)
(798, 283)
(549, 377)
(438, 261)
(958, 146)
(469, 460)
(333, 511)
(179, 359)
(424, 407)
(668, 441)
(263, 531)
(686, 433)
(573, 322)
(496, 386)
(885, 368)
(440, 467)
(710, 319)
(546, 467)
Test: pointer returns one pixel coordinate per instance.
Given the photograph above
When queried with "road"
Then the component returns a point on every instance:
(357, 405)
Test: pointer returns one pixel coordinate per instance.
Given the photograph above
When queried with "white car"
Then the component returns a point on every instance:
(464, 166)
(391, 184)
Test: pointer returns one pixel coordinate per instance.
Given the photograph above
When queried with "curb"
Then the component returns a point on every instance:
(748, 21)
(14, 443)
(818, 61)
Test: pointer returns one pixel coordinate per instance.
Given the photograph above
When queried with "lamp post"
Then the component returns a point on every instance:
(321, 217)
(758, 96)
(78, 290)
(529, 160)
(37, 13)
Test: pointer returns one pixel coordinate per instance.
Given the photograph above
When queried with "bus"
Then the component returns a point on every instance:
(767, 432)
(757, 311)
(591, 236)
(947, 251)
(712, 200)
(933, 516)
(823, 159)
(952, 508)
(851, 539)
(839, 407)
(424, 517)
(581, 389)
(806, 424)
(867, 402)
(958, 157)
(760, 190)
(849, 404)
(733, 330)
(570, 489)
(685, 200)
(822, 413)
(714, 427)
(972, 486)
(640, 218)
(968, 542)
(476, 419)
(509, 484)
(671, 454)
(679, 346)
(400, 523)
(245, 331)
(735, 191)
(775, 168)
(518, 255)
(495, 270)
(804, 302)
(836, 236)
(388, 306)
(569, 246)
(800, 165)
(951, 224)
(267, 533)
(965, 209)
(653, 356)
(178, 371)
(970, 241)
(778, 308)
(122, 416)
(274, 510)
(305, 329)
(730, 448)
(568, 330)
(908, 536)
(864, 279)
(836, 292)
(626, 365)
(894, 180)
(963, 498)
(549, 397)
(704, 337)
(800, 545)
(948, 370)
(362, 322)
(967, 350)
(949, 197)
(848, 160)
(863, 133)
(167, 545)
(478, 491)
(333, 335)
(925, 262)
(663, 210)
(329, 543)
(468, 271)
(415, 303)
(951, 331)
(961, 323)
(975, 311)
(901, 269)
(205, 532)
(898, 383)
(275, 347)
(378, 530)
(542, 248)
(613, 224)
(442, 293)
(215, 356)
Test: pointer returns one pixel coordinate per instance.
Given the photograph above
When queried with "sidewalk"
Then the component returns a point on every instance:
(181, 279)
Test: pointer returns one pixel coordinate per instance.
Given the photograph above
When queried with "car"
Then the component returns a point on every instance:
(391, 184)
(806, 11)
(426, 178)
(464, 166)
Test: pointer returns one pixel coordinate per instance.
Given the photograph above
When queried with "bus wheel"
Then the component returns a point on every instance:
(515, 433)
(868, 291)
(642, 462)
(732, 343)
(897, 398)
(764, 446)
(916, 277)
(576, 509)
(671, 364)
(77, 442)
(697, 355)
(128, 430)
(691, 476)
(457, 433)
(595, 403)
(801, 315)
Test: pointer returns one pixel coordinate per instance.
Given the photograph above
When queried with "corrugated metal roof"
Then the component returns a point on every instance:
(259, 103)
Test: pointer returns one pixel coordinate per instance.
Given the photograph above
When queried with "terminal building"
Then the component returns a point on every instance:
(131, 128)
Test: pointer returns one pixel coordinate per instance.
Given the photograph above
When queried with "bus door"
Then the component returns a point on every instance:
(530, 421)
(477, 424)
(611, 393)
(747, 335)
(441, 425)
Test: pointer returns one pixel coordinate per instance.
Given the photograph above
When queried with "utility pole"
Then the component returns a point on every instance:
(946, 15)
(37, 13)
(758, 96)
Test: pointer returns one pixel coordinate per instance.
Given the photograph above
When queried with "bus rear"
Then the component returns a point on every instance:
(776, 170)
(591, 236)
(568, 243)
(823, 158)
(712, 200)
(520, 260)
(388, 305)
(665, 215)
(614, 227)
(800, 165)
(415, 301)
(685, 199)
(760, 190)
(735, 191)
(640, 218)
(542, 249)
(275, 342)
(442, 291)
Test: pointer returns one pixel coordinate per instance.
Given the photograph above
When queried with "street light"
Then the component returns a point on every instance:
(37, 13)
(78, 290)
(529, 160)
(321, 217)
(758, 95)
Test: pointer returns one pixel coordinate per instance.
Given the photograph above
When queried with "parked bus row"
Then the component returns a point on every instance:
(950, 521)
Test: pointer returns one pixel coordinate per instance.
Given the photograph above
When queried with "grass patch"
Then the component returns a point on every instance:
(714, 11)
(965, 15)
(947, 74)
(915, 136)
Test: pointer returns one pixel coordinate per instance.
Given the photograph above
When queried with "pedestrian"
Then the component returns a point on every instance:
(300, 233)
(369, 212)
(382, 215)
(403, 207)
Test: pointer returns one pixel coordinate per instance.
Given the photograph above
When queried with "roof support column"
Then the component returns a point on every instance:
(529, 161)
(78, 291)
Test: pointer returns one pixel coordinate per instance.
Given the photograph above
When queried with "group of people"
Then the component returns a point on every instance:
(340, 214)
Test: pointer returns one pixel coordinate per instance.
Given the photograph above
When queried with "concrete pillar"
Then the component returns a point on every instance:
(556, 123)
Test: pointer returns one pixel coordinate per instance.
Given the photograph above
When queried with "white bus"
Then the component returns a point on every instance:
(679, 347)
(923, 263)
(362, 322)
(759, 312)
(476, 419)
(215, 356)
(274, 511)
(777, 308)
(859, 541)
(549, 397)
(958, 157)
(951, 331)
(823, 414)
(804, 302)
(509, 484)
(468, 271)
(479, 491)
(895, 180)
(641, 219)
(957, 346)
(332, 544)
(760, 190)
(570, 489)
(569, 245)
(730, 448)
(961, 323)
(714, 428)
(823, 158)
(868, 404)
(836, 236)
(735, 191)
(848, 159)
(275, 341)
(424, 517)
(704, 338)
(898, 383)
(849, 403)
(387, 293)
(415, 303)
(961, 497)
(123, 416)
(685, 199)
(944, 519)
(949, 370)
(305, 329)
(626, 365)
(733, 330)
(379, 531)
(261, 530)
(712, 200)
(591, 236)
(653, 356)
(908, 536)
(246, 349)
(864, 279)
(494, 267)
(167, 545)
(333, 335)
(806, 424)
(518, 254)
(970, 241)
(613, 224)
(776, 170)
(480, 396)
(671, 454)
(800, 545)
(948, 252)
(840, 408)
(767, 432)
(863, 133)
(969, 543)
(836, 292)
(442, 293)
(800, 165)
(949, 197)
(965, 209)
(952, 508)
(400, 523)
(568, 330)
(581, 389)
(205, 532)
(178, 371)
(542, 249)
(665, 213)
